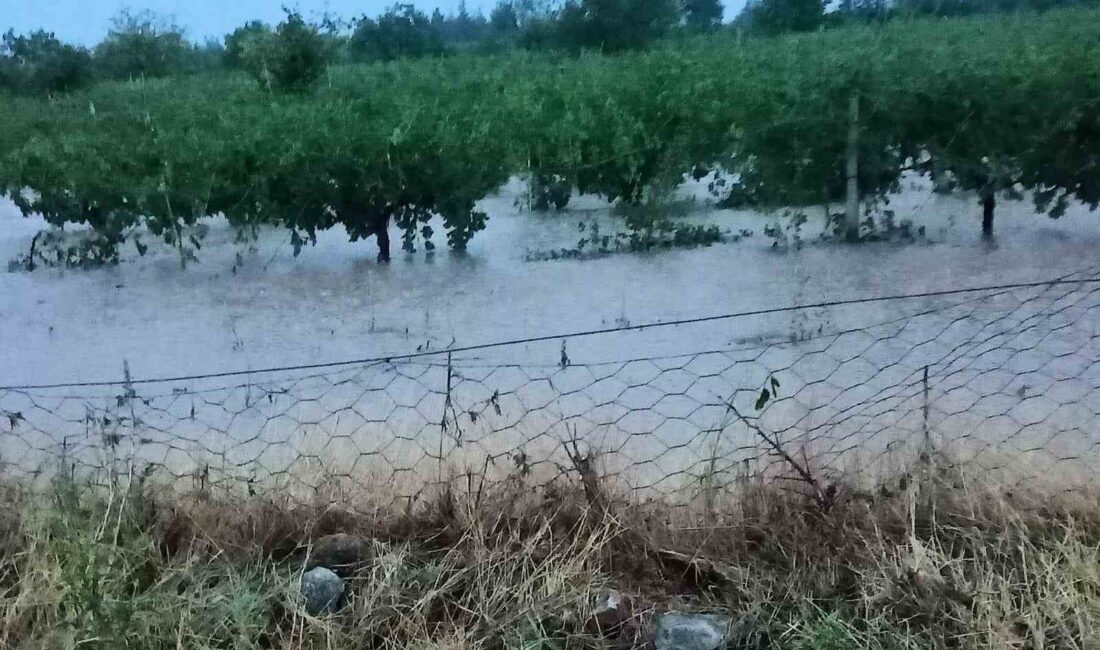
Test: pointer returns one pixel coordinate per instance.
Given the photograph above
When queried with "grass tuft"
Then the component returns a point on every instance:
(514, 566)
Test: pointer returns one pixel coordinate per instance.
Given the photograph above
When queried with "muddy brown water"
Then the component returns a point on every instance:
(1012, 372)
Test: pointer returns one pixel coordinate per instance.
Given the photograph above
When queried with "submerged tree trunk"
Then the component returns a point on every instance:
(989, 203)
(382, 233)
(851, 198)
(34, 244)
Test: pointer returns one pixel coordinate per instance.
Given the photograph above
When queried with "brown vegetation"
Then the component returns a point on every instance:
(941, 562)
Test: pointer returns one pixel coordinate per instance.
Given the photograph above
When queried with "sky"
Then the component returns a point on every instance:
(86, 21)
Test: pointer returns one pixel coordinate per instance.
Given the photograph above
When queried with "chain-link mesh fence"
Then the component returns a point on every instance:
(1007, 379)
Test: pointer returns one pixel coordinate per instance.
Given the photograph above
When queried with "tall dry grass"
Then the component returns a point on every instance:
(940, 562)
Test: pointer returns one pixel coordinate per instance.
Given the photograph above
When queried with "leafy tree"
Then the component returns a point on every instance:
(240, 40)
(462, 28)
(142, 45)
(39, 63)
(401, 32)
(701, 15)
(504, 19)
(997, 103)
(779, 16)
(1066, 165)
(952, 8)
(614, 25)
(863, 10)
(536, 22)
(540, 34)
(291, 58)
(504, 28)
(208, 56)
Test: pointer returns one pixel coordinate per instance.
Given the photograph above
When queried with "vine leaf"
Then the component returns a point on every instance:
(14, 418)
(767, 395)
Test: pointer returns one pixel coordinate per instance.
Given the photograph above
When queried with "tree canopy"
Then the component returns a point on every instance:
(39, 63)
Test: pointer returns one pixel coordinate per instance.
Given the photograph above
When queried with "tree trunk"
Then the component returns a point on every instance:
(851, 210)
(382, 233)
(34, 244)
(989, 203)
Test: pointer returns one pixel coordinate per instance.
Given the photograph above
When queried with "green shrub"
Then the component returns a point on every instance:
(402, 32)
(777, 16)
(549, 191)
(701, 15)
(38, 63)
(143, 45)
(615, 25)
(290, 59)
(236, 43)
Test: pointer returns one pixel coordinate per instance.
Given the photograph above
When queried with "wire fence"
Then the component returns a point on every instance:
(1004, 378)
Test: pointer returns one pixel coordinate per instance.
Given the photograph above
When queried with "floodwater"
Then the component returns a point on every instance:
(334, 302)
(254, 306)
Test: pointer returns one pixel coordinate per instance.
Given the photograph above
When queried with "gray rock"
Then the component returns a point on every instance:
(341, 553)
(612, 615)
(678, 631)
(608, 601)
(322, 591)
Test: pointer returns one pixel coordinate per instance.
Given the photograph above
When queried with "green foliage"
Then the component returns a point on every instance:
(162, 157)
(813, 628)
(1002, 105)
(614, 25)
(462, 29)
(649, 233)
(701, 16)
(242, 39)
(109, 585)
(778, 16)
(504, 18)
(956, 8)
(863, 10)
(142, 45)
(997, 141)
(290, 59)
(207, 57)
(648, 230)
(549, 192)
(401, 32)
(57, 248)
(38, 63)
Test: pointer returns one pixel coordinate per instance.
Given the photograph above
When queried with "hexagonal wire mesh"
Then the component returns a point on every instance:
(1006, 378)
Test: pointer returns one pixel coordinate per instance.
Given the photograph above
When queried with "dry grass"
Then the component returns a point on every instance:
(939, 563)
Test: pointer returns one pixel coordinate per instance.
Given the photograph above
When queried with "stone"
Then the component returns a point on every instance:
(612, 612)
(341, 553)
(322, 591)
(684, 631)
(679, 631)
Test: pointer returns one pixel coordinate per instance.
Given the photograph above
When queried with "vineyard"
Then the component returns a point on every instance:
(1004, 106)
(846, 447)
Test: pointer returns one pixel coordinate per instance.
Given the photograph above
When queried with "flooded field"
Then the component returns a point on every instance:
(1008, 372)
(333, 302)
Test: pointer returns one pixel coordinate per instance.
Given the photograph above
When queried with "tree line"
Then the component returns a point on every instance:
(771, 17)
(142, 45)
(1003, 106)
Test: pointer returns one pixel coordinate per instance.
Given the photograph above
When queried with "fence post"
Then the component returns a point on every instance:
(927, 436)
(443, 420)
(928, 480)
(851, 210)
